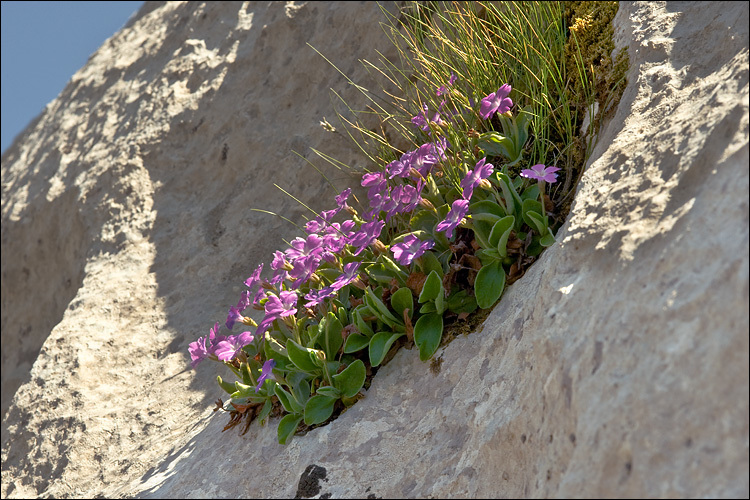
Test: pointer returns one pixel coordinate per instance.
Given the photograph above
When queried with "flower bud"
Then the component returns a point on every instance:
(379, 247)
(485, 184)
(359, 283)
(249, 321)
(425, 203)
(314, 278)
(414, 173)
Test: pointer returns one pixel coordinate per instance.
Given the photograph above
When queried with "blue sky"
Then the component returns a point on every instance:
(43, 45)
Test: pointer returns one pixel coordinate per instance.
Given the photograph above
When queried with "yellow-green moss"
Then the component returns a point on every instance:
(591, 43)
(589, 49)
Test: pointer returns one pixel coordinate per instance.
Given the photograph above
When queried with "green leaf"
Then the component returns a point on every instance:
(532, 215)
(433, 285)
(531, 193)
(500, 233)
(488, 255)
(402, 300)
(362, 325)
(428, 332)
(329, 391)
(229, 388)
(379, 273)
(487, 207)
(287, 401)
(462, 302)
(428, 308)
(548, 239)
(300, 388)
(245, 371)
(431, 263)
(482, 224)
(536, 221)
(380, 310)
(489, 284)
(355, 342)
(287, 426)
(424, 220)
(267, 406)
(512, 200)
(379, 345)
(494, 144)
(318, 409)
(303, 358)
(332, 338)
(245, 391)
(351, 380)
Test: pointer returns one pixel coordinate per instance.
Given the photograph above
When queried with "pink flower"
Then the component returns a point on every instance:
(411, 248)
(541, 173)
(203, 347)
(351, 272)
(496, 102)
(227, 349)
(265, 373)
(481, 171)
(283, 305)
(455, 216)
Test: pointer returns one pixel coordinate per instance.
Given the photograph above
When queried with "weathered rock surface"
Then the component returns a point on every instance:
(618, 366)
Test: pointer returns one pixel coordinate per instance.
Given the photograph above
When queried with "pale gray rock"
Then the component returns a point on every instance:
(616, 367)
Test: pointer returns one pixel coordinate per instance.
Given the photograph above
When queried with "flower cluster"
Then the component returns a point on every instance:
(342, 294)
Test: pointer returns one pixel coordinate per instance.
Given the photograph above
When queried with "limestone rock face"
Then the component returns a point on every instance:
(617, 366)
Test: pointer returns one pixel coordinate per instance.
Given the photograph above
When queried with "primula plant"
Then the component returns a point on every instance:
(446, 225)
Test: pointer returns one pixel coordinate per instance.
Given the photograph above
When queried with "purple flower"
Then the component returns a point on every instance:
(304, 267)
(342, 197)
(255, 278)
(266, 372)
(443, 89)
(315, 297)
(541, 173)
(411, 248)
(439, 147)
(233, 317)
(336, 236)
(201, 348)
(367, 234)
(424, 159)
(481, 171)
(387, 203)
(227, 349)
(283, 305)
(375, 181)
(397, 167)
(496, 102)
(455, 216)
(244, 301)
(410, 196)
(351, 272)
(320, 222)
(421, 121)
(198, 351)
(312, 245)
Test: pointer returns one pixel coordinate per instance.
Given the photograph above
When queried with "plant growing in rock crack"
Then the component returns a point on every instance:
(446, 225)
